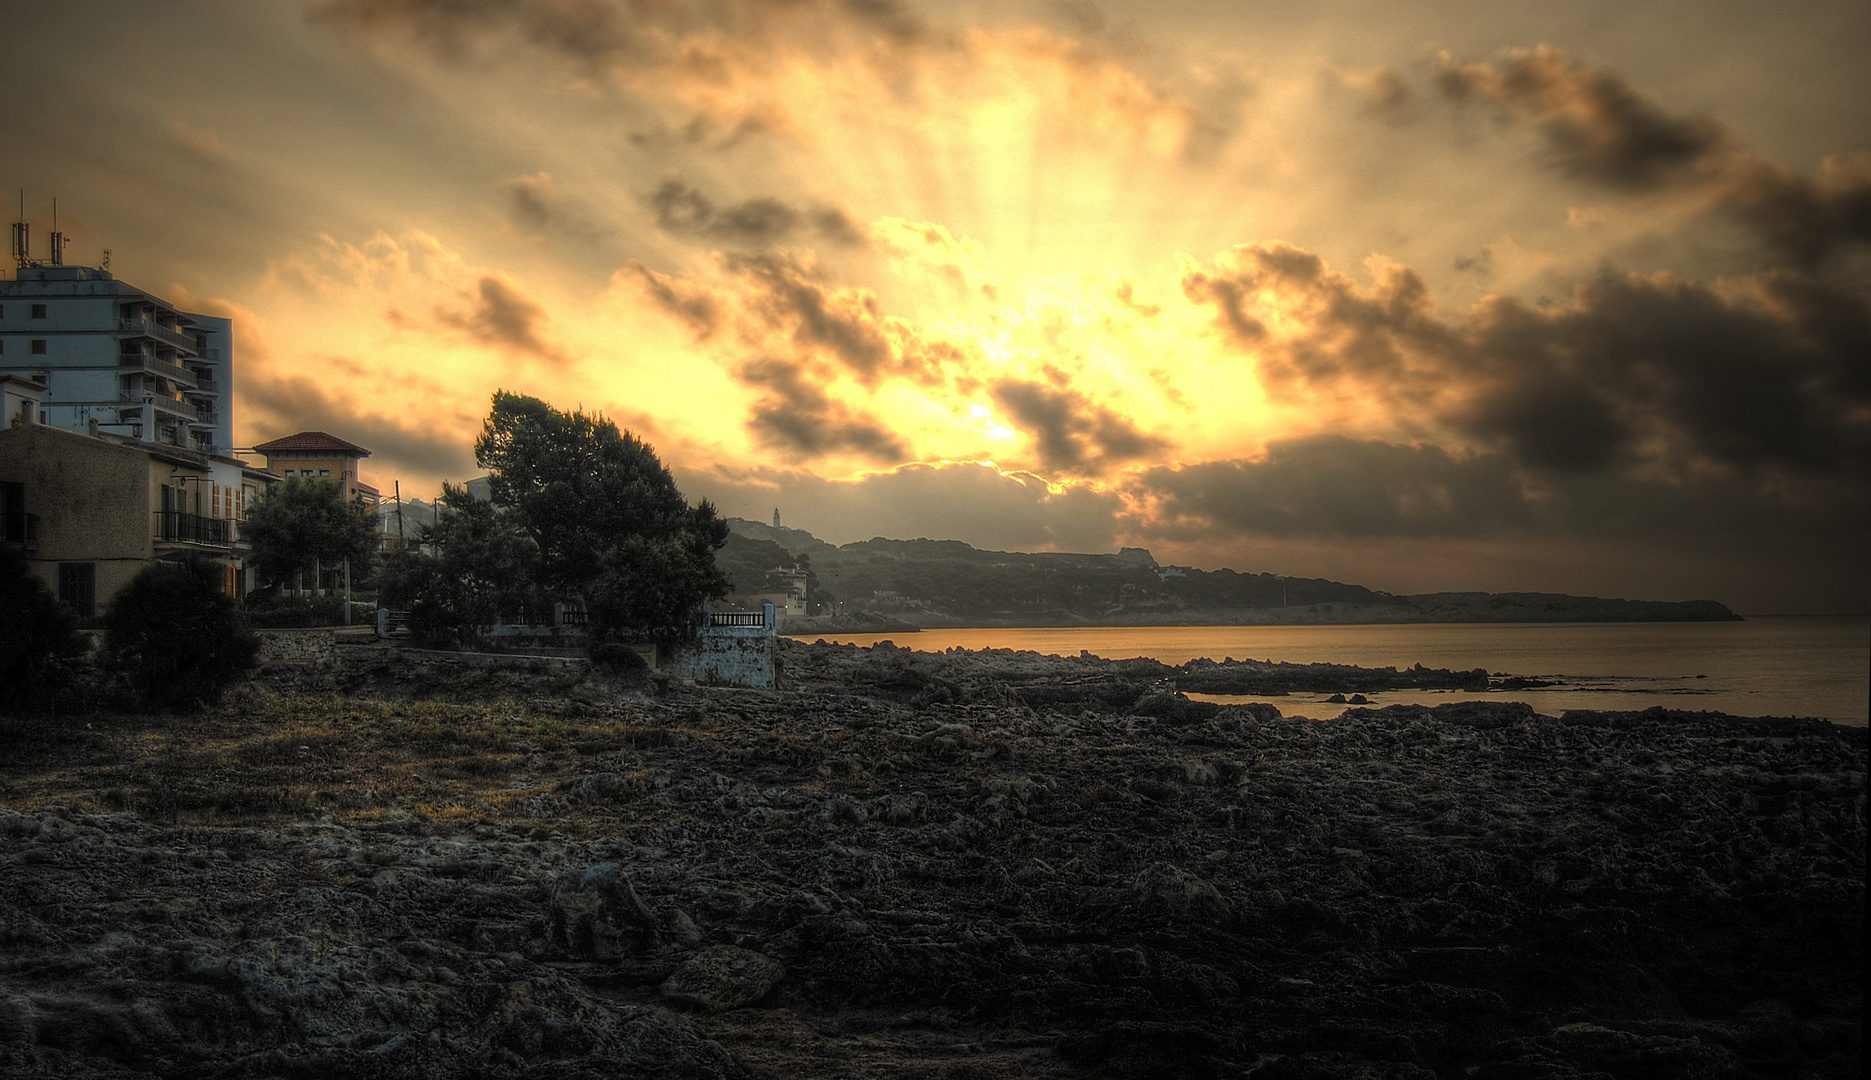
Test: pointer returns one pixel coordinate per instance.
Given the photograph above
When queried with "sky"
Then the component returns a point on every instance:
(1440, 296)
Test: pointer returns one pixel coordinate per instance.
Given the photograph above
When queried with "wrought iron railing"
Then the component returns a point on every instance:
(173, 526)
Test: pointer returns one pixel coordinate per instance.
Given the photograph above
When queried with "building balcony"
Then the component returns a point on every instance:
(175, 339)
(175, 527)
(174, 372)
(21, 529)
(206, 385)
(172, 406)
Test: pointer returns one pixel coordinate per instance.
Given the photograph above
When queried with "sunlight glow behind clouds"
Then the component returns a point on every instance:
(1191, 281)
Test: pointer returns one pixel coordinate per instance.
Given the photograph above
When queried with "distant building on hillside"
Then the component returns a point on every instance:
(118, 357)
(316, 455)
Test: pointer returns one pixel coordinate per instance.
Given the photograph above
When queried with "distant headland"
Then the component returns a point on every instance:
(897, 585)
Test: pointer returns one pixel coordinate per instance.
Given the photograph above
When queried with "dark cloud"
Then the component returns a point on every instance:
(693, 305)
(1416, 517)
(756, 223)
(1803, 219)
(1072, 433)
(1347, 331)
(1727, 378)
(1767, 372)
(798, 418)
(1329, 485)
(844, 324)
(502, 317)
(279, 405)
(594, 33)
(531, 202)
(1595, 122)
(1602, 129)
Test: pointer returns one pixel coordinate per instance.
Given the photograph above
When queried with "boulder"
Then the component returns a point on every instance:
(723, 977)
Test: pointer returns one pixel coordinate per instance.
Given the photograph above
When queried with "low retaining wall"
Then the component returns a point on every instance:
(734, 655)
(316, 646)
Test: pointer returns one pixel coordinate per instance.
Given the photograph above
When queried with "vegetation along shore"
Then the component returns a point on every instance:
(909, 864)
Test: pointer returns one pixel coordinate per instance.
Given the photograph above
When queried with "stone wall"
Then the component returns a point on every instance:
(317, 646)
(731, 655)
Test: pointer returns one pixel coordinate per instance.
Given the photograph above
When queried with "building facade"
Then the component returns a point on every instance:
(315, 455)
(92, 509)
(118, 357)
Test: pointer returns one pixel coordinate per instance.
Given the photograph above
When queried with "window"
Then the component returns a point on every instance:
(215, 500)
(38, 311)
(77, 587)
(38, 346)
(2, 344)
(324, 472)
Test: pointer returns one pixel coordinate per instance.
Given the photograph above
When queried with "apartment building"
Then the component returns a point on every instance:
(118, 357)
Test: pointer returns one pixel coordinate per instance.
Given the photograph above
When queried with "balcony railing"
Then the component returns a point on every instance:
(166, 335)
(173, 526)
(206, 385)
(174, 372)
(21, 529)
(737, 618)
(168, 405)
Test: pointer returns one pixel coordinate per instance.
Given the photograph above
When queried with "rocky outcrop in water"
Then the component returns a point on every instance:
(859, 877)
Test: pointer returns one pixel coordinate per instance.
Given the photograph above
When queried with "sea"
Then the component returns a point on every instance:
(1812, 666)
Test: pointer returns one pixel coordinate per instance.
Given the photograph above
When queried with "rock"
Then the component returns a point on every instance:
(723, 977)
(597, 915)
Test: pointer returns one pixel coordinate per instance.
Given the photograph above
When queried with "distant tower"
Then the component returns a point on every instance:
(776, 517)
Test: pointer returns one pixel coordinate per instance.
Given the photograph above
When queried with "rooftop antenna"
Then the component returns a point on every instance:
(56, 241)
(21, 256)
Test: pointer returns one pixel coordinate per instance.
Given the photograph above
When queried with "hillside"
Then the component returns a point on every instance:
(898, 583)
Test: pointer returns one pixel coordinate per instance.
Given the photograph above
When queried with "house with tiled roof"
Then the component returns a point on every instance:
(318, 455)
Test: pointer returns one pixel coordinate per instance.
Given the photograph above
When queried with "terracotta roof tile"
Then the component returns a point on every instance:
(311, 440)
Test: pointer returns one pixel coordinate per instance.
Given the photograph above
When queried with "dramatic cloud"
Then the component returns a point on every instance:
(1602, 129)
(800, 419)
(1591, 305)
(502, 317)
(1329, 485)
(694, 306)
(758, 222)
(1767, 370)
(1599, 127)
(1071, 433)
(283, 404)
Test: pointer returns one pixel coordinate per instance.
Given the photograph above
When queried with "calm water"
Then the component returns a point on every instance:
(1767, 666)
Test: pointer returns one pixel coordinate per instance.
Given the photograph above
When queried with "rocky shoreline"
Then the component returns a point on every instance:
(938, 865)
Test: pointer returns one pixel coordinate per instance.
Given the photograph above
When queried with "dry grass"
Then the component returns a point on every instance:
(260, 759)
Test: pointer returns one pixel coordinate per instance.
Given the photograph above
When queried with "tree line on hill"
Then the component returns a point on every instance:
(950, 583)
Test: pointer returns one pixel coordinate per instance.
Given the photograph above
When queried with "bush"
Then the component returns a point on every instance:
(618, 658)
(38, 637)
(180, 640)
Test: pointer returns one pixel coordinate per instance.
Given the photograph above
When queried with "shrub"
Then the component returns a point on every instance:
(619, 659)
(180, 640)
(38, 636)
